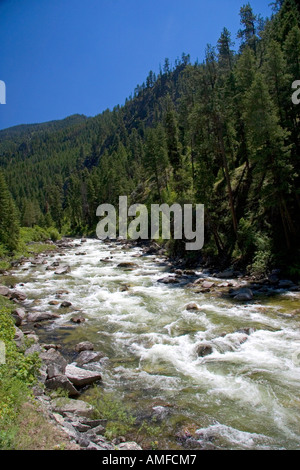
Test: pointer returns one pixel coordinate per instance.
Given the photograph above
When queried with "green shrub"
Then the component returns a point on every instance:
(16, 375)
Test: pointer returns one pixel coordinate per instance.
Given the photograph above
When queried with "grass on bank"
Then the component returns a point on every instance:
(32, 241)
(121, 421)
(17, 374)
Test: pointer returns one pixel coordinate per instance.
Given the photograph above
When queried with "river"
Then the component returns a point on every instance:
(245, 395)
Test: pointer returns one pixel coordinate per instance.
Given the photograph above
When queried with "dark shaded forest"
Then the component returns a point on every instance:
(223, 133)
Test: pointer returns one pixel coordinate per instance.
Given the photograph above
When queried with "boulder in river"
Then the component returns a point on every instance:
(41, 316)
(63, 270)
(243, 294)
(62, 291)
(207, 284)
(127, 265)
(65, 304)
(81, 377)
(204, 350)
(84, 346)
(169, 280)
(78, 319)
(192, 306)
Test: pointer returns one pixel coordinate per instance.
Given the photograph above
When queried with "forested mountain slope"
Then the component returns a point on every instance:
(224, 133)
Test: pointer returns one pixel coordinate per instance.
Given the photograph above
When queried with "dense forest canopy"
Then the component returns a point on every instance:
(224, 133)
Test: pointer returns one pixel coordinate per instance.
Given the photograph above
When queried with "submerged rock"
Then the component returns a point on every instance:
(204, 350)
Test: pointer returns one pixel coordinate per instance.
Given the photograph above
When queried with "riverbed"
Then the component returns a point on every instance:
(244, 395)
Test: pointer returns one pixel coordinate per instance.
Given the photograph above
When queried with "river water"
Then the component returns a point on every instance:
(245, 395)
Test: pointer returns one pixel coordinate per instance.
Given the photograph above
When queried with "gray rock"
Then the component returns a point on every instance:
(80, 427)
(20, 296)
(32, 336)
(208, 285)
(84, 346)
(204, 350)
(62, 382)
(84, 442)
(78, 319)
(4, 291)
(70, 430)
(126, 265)
(81, 377)
(227, 274)
(85, 357)
(19, 338)
(55, 362)
(93, 433)
(76, 407)
(65, 304)
(244, 294)
(160, 412)
(169, 280)
(93, 423)
(34, 348)
(192, 306)
(19, 314)
(63, 270)
(41, 316)
(129, 446)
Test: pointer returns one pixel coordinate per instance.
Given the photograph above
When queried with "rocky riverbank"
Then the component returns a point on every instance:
(68, 413)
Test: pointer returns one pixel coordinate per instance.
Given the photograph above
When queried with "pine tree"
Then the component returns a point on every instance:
(9, 223)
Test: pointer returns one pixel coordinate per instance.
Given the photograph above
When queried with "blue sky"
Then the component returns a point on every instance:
(61, 57)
